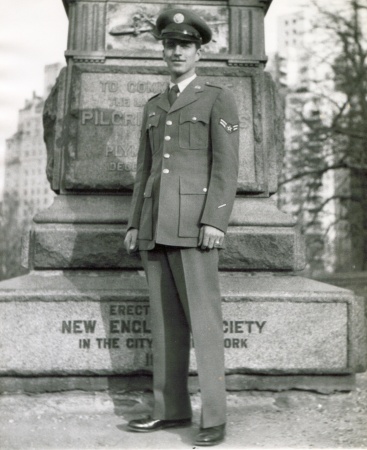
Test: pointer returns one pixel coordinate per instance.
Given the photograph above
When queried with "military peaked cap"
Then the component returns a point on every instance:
(184, 25)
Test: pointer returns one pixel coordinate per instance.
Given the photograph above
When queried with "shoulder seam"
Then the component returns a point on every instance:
(154, 96)
(208, 83)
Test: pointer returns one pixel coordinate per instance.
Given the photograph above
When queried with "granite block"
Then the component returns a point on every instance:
(83, 323)
(91, 246)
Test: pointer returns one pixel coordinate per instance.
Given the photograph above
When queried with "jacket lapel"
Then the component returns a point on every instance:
(189, 95)
(163, 102)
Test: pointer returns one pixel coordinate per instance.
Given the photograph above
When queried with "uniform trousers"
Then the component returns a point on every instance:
(184, 296)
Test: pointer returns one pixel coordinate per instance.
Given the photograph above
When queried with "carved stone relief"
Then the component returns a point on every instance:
(131, 26)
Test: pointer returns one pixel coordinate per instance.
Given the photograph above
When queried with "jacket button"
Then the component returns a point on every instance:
(205, 190)
(194, 118)
(169, 122)
(167, 138)
(165, 171)
(166, 155)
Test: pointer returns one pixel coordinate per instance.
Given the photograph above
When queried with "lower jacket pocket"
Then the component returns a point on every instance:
(192, 202)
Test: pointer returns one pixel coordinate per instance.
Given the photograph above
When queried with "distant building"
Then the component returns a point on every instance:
(329, 203)
(25, 178)
(296, 70)
(306, 150)
(293, 58)
(26, 189)
(25, 161)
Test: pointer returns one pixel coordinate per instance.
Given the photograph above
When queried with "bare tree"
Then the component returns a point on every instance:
(332, 119)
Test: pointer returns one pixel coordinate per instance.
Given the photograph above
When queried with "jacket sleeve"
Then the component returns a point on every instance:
(224, 171)
(143, 166)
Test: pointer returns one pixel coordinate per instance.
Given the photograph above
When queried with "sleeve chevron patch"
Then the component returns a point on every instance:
(228, 127)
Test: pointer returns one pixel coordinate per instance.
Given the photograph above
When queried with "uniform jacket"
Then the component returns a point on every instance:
(187, 166)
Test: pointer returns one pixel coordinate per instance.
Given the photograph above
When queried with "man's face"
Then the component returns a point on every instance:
(180, 57)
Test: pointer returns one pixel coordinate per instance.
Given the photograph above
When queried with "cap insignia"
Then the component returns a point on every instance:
(178, 18)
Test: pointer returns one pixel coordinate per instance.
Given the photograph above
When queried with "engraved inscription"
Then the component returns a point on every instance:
(105, 127)
(101, 117)
(109, 118)
(259, 336)
(127, 327)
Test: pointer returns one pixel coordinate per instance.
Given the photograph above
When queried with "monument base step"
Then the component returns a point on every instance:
(87, 232)
(323, 384)
(101, 246)
(68, 323)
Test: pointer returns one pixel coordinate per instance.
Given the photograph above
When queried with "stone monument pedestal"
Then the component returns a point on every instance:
(81, 316)
(287, 330)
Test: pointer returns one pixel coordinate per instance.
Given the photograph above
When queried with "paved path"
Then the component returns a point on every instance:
(80, 420)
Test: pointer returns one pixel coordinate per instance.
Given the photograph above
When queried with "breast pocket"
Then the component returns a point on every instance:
(192, 202)
(152, 129)
(194, 130)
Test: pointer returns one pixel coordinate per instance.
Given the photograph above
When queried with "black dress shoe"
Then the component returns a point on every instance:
(211, 436)
(149, 424)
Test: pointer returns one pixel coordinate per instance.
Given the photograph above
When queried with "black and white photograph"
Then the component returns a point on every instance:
(183, 224)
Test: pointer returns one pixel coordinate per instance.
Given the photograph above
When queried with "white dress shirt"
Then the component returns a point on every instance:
(183, 84)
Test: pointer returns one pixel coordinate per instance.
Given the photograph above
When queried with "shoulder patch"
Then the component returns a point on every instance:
(208, 83)
(230, 128)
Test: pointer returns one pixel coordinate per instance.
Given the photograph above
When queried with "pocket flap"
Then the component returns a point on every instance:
(152, 121)
(194, 116)
(149, 187)
(196, 187)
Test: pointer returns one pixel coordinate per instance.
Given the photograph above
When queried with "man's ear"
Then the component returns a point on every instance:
(198, 54)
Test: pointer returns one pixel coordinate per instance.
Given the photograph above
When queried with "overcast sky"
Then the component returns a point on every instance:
(33, 33)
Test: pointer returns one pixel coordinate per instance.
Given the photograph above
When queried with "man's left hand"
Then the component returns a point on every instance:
(210, 237)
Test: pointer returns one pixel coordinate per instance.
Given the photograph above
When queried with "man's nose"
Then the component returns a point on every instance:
(178, 50)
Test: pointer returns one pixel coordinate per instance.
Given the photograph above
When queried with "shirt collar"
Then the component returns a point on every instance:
(183, 84)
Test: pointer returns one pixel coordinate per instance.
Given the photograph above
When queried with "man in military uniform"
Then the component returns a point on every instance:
(183, 196)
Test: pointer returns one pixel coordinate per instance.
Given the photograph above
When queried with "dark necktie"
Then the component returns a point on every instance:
(172, 94)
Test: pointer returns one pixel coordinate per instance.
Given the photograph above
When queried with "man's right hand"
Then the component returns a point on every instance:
(131, 240)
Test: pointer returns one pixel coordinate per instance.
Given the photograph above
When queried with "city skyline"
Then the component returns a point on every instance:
(23, 28)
